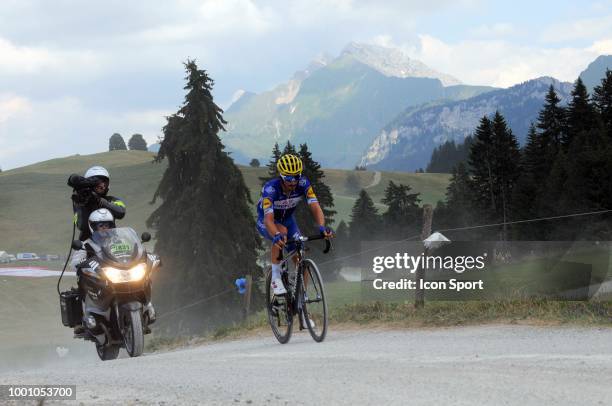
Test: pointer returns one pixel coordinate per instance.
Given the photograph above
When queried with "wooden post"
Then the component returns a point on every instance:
(419, 296)
(247, 295)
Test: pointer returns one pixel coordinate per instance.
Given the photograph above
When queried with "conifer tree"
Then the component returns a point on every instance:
(481, 165)
(528, 193)
(312, 171)
(137, 143)
(403, 211)
(254, 163)
(550, 125)
(272, 171)
(494, 163)
(116, 143)
(580, 116)
(602, 101)
(206, 233)
(289, 149)
(458, 199)
(365, 221)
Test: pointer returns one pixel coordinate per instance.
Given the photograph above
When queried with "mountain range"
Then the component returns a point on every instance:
(406, 143)
(376, 106)
(338, 105)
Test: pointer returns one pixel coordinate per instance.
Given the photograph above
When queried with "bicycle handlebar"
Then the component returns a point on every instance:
(308, 238)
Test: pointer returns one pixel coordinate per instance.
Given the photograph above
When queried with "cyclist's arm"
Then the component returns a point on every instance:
(315, 207)
(267, 205)
(269, 223)
(317, 213)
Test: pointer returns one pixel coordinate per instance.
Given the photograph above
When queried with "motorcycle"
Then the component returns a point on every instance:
(113, 300)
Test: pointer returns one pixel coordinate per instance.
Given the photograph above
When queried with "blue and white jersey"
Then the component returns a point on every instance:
(274, 200)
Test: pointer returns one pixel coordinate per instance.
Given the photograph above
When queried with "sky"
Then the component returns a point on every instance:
(71, 76)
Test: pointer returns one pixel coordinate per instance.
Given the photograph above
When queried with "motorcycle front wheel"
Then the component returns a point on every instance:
(133, 336)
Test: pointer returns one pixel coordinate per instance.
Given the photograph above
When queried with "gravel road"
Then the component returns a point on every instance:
(486, 365)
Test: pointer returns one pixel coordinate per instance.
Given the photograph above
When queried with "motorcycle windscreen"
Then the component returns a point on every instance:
(119, 245)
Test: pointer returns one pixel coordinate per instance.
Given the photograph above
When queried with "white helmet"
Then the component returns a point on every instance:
(97, 171)
(100, 217)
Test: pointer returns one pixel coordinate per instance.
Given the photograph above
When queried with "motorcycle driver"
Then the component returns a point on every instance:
(99, 220)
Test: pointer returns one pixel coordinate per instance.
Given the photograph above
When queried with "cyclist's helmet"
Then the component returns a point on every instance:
(99, 174)
(101, 219)
(289, 166)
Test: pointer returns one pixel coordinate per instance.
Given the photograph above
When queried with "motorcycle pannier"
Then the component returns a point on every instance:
(70, 305)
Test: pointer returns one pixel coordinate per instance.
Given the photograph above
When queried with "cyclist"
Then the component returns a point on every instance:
(279, 198)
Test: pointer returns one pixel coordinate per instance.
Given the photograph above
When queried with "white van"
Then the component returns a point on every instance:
(27, 256)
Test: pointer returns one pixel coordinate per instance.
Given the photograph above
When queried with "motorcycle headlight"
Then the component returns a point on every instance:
(125, 275)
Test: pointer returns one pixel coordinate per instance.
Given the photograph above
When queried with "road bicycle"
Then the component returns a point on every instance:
(305, 297)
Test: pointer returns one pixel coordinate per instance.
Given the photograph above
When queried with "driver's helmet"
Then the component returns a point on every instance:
(101, 219)
(99, 174)
(289, 167)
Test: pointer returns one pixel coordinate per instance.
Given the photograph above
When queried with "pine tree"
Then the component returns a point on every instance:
(507, 171)
(342, 235)
(602, 101)
(254, 163)
(551, 125)
(116, 143)
(445, 157)
(352, 183)
(527, 195)
(481, 164)
(289, 149)
(206, 233)
(403, 211)
(137, 143)
(580, 116)
(494, 163)
(272, 171)
(312, 170)
(365, 221)
(456, 211)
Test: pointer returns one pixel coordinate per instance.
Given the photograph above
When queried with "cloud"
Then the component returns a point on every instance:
(28, 60)
(11, 105)
(502, 63)
(582, 29)
(603, 47)
(65, 126)
(493, 30)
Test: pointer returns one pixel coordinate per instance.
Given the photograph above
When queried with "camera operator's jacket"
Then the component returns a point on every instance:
(84, 204)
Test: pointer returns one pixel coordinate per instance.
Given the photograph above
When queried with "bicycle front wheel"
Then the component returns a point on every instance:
(314, 305)
(279, 315)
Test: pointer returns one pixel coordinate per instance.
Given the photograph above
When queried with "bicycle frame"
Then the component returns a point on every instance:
(294, 289)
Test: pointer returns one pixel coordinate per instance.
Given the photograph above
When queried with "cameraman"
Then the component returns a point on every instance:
(89, 194)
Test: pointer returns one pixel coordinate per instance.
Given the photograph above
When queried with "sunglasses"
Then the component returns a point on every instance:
(291, 178)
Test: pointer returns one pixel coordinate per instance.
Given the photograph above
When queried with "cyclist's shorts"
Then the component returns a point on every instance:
(292, 230)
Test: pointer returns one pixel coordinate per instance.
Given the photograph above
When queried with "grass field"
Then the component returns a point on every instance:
(36, 213)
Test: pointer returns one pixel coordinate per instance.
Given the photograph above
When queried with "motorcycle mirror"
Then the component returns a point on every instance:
(77, 245)
(145, 237)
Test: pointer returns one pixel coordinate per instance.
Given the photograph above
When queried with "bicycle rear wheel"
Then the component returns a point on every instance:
(314, 305)
(279, 314)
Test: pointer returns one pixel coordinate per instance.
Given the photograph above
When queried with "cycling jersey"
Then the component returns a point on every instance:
(274, 200)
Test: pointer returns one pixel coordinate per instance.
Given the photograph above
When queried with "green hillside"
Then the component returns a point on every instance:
(36, 213)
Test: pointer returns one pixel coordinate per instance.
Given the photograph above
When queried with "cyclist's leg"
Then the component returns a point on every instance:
(274, 254)
(274, 251)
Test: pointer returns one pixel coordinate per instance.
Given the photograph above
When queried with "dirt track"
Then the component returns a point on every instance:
(500, 365)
